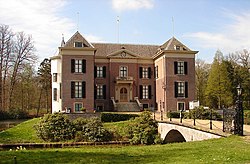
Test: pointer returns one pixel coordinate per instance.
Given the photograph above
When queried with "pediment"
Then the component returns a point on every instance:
(123, 53)
(77, 37)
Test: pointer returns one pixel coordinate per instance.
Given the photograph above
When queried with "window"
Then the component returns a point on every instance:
(180, 68)
(54, 77)
(145, 91)
(100, 71)
(181, 106)
(100, 92)
(55, 94)
(181, 89)
(78, 89)
(177, 47)
(145, 72)
(123, 71)
(78, 44)
(156, 72)
(78, 66)
(78, 107)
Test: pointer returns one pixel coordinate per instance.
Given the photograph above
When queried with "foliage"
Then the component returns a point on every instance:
(174, 114)
(17, 61)
(143, 130)
(204, 114)
(14, 114)
(219, 86)
(55, 127)
(18, 114)
(115, 117)
(79, 123)
(44, 76)
(93, 131)
(201, 77)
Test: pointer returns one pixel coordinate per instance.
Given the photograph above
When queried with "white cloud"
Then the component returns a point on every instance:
(93, 39)
(39, 18)
(122, 5)
(229, 37)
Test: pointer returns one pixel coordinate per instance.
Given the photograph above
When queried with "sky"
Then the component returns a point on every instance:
(202, 25)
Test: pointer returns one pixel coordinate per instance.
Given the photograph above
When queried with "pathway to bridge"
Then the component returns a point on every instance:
(217, 126)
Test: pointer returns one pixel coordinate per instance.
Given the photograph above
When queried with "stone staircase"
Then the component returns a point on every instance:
(127, 107)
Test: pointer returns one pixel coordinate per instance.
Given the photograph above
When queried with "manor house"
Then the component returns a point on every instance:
(122, 77)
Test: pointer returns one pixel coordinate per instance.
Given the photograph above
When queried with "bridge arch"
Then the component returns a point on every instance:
(174, 136)
(178, 133)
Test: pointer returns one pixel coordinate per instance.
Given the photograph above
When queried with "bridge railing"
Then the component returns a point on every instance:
(181, 118)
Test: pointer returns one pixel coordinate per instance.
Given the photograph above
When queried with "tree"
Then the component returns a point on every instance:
(201, 72)
(219, 85)
(240, 61)
(6, 45)
(23, 53)
(44, 76)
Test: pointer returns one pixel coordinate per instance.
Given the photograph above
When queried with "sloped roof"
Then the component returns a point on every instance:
(105, 49)
(77, 37)
(172, 43)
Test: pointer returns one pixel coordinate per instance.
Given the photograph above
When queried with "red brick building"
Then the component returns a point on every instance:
(122, 77)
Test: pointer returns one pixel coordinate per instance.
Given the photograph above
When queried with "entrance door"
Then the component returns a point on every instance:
(123, 95)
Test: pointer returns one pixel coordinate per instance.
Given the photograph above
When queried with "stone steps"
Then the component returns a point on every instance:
(127, 107)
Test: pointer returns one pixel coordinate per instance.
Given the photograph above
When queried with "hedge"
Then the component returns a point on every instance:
(115, 117)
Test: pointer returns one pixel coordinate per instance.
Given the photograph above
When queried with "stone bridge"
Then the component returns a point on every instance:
(171, 132)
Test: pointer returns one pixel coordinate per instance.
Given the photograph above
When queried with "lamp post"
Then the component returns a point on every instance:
(239, 119)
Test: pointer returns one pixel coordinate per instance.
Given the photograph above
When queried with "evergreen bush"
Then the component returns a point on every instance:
(143, 130)
(115, 117)
(93, 131)
(55, 127)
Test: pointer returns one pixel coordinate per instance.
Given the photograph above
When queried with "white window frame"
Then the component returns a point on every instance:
(99, 92)
(180, 68)
(80, 106)
(123, 71)
(181, 88)
(99, 71)
(78, 66)
(145, 72)
(145, 90)
(78, 44)
(78, 89)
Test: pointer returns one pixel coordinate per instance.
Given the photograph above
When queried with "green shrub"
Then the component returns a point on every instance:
(143, 130)
(174, 114)
(115, 117)
(204, 114)
(79, 123)
(18, 114)
(55, 127)
(247, 117)
(93, 131)
(4, 115)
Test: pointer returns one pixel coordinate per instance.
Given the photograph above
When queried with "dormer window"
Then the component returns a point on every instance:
(177, 47)
(78, 44)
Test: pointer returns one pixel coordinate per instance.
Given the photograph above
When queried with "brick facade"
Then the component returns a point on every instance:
(125, 72)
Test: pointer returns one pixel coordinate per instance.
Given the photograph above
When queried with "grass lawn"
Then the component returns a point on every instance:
(22, 133)
(233, 149)
(225, 150)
